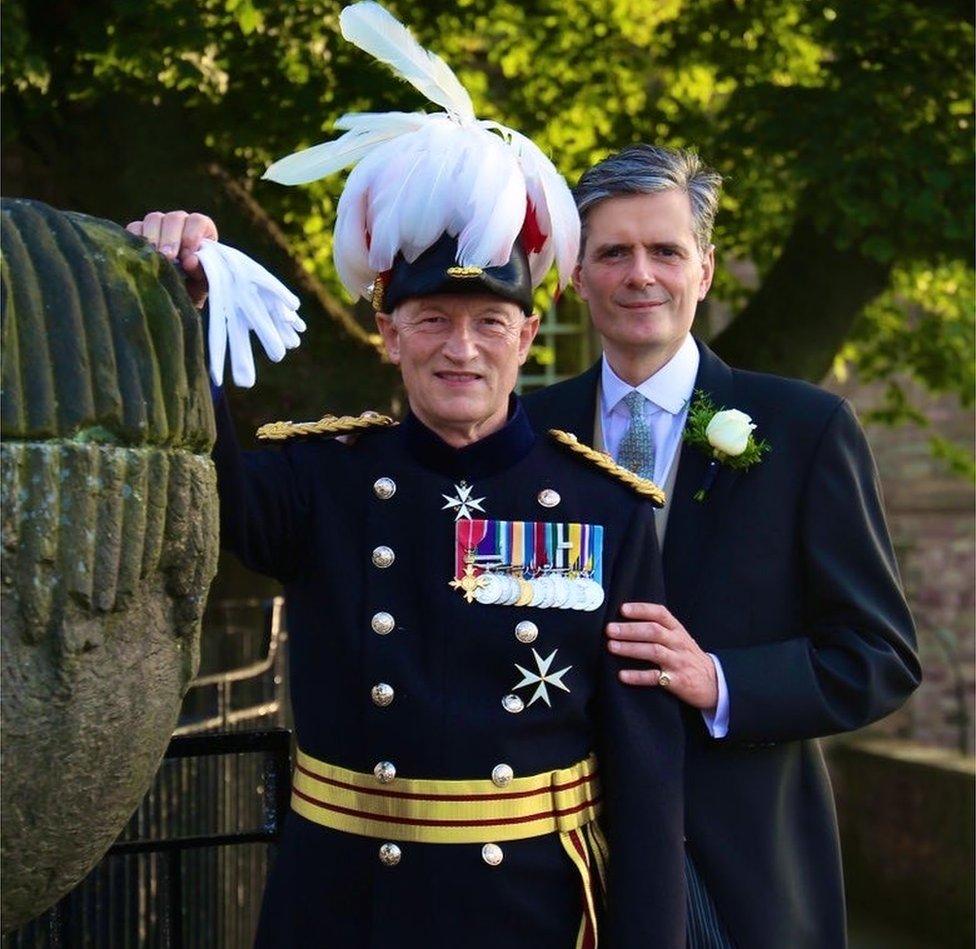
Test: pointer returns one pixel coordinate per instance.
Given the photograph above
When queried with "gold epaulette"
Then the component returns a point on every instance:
(604, 462)
(327, 425)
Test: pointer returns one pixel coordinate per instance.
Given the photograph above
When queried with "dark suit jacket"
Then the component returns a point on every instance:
(786, 573)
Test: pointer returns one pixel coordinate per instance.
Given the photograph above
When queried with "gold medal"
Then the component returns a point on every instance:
(525, 594)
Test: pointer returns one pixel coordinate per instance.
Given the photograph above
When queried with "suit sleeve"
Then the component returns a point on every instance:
(264, 517)
(641, 754)
(857, 661)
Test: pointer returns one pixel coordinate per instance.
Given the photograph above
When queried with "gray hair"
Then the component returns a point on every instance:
(649, 169)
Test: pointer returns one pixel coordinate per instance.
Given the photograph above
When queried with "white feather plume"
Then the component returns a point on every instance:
(380, 34)
(433, 178)
(417, 176)
(497, 207)
(555, 208)
(351, 238)
(324, 159)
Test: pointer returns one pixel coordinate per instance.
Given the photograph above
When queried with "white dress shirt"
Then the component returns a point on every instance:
(668, 393)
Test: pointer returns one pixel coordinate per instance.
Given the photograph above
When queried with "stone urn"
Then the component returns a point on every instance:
(109, 532)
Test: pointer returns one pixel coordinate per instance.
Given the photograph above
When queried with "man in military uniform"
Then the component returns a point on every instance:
(447, 582)
(471, 770)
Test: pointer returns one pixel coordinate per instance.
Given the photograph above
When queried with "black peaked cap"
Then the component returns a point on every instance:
(437, 271)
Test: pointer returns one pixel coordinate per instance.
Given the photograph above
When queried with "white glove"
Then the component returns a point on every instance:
(245, 297)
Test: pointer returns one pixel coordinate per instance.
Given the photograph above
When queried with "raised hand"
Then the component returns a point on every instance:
(177, 235)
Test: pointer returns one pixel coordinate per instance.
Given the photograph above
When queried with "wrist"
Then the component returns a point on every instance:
(717, 716)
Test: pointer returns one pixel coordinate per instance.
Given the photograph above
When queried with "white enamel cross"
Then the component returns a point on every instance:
(463, 504)
(543, 677)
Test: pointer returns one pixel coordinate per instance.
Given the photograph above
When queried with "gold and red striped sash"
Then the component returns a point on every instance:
(421, 810)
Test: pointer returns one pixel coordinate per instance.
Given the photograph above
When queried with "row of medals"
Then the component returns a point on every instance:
(547, 591)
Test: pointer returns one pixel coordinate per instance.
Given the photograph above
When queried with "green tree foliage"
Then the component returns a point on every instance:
(844, 129)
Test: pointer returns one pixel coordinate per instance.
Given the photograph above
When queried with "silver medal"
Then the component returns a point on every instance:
(536, 591)
(594, 594)
(512, 592)
(488, 592)
(544, 583)
(561, 592)
(579, 599)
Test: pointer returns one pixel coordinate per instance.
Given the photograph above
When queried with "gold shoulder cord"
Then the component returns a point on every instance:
(604, 462)
(327, 425)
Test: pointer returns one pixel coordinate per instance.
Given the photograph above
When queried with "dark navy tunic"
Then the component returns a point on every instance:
(308, 515)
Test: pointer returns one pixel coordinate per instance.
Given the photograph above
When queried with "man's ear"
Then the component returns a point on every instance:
(708, 272)
(529, 328)
(391, 336)
(578, 280)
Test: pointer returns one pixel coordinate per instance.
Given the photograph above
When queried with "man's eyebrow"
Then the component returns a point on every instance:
(666, 245)
(613, 245)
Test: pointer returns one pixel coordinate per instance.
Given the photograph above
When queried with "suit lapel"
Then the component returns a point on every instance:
(690, 522)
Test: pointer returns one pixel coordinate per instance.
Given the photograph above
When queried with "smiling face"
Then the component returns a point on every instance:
(459, 356)
(642, 276)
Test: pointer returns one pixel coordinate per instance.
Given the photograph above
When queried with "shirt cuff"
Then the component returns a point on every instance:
(717, 722)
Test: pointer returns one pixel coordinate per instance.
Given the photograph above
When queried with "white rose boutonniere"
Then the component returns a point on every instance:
(724, 435)
(729, 431)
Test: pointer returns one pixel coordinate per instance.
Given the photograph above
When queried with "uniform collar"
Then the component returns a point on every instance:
(481, 459)
(669, 388)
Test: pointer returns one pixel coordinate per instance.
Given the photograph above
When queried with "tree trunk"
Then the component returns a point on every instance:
(798, 319)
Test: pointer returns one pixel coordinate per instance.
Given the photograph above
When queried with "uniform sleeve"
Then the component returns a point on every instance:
(641, 754)
(857, 661)
(263, 516)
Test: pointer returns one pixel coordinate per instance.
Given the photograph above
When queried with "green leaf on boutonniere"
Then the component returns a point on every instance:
(700, 414)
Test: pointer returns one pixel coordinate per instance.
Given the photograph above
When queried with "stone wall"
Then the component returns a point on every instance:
(931, 516)
(906, 821)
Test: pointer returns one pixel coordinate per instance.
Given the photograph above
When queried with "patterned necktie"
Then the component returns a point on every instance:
(636, 451)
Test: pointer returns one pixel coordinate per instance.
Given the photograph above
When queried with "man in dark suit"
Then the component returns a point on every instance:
(785, 620)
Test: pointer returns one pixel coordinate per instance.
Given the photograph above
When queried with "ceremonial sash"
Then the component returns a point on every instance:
(434, 811)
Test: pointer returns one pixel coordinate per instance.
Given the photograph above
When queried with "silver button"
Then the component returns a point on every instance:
(382, 623)
(512, 703)
(385, 772)
(501, 775)
(382, 694)
(383, 557)
(384, 488)
(526, 631)
(549, 498)
(390, 855)
(492, 854)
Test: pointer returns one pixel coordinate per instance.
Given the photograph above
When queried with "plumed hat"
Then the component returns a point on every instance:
(440, 202)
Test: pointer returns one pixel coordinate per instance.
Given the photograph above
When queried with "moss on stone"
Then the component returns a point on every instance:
(109, 533)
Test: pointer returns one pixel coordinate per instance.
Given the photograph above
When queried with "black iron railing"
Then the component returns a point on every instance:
(275, 744)
(70, 922)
